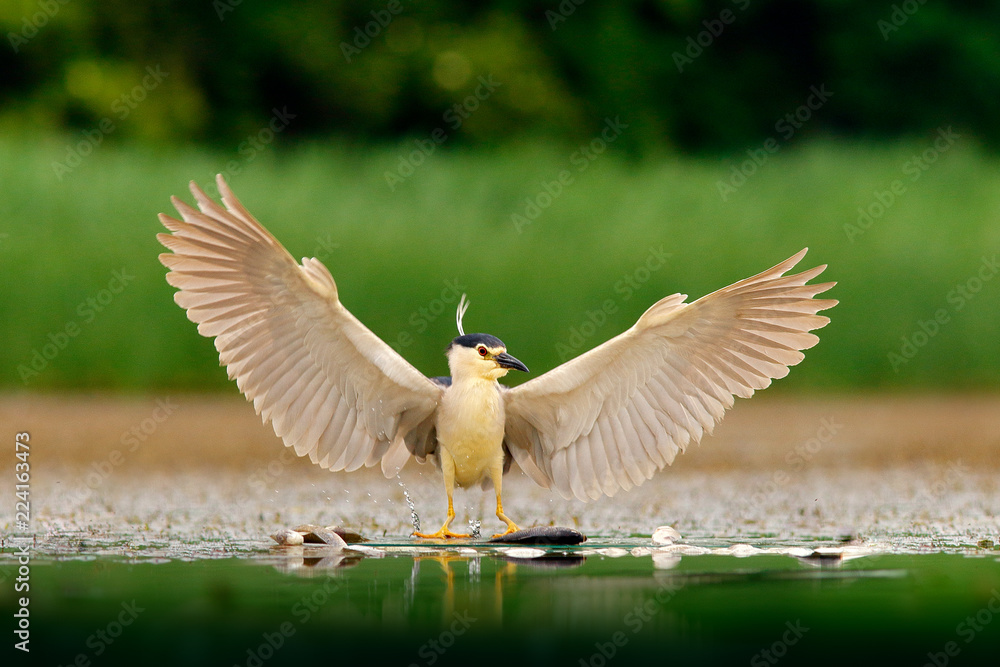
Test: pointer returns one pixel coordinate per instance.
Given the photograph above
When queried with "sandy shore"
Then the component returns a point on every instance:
(178, 431)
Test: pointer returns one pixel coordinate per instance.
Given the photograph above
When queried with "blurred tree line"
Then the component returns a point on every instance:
(687, 75)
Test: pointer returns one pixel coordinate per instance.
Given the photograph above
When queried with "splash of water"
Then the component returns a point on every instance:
(474, 526)
(414, 517)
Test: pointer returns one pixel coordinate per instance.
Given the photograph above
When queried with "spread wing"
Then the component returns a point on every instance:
(610, 418)
(330, 387)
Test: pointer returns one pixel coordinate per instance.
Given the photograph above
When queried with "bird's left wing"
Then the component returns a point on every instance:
(330, 387)
(610, 418)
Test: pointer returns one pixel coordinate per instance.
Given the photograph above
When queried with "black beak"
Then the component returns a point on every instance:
(507, 361)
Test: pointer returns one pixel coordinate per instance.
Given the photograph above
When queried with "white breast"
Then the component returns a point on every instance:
(470, 427)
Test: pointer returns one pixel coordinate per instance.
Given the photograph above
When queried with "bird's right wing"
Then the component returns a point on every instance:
(330, 387)
(610, 418)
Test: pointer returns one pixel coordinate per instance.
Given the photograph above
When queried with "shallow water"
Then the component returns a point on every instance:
(897, 560)
(300, 605)
(915, 508)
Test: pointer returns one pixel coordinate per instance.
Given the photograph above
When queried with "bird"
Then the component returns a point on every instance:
(601, 423)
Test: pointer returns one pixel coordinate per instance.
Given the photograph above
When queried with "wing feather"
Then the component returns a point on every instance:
(644, 411)
(330, 388)
(587, 485)
(623, 410)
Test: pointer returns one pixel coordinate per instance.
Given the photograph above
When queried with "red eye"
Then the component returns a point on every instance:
(482, 351)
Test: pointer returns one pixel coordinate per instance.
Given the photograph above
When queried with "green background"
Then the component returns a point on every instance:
(81, 180)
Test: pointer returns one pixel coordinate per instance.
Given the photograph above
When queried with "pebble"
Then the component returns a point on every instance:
(665, 535)
(287, 537)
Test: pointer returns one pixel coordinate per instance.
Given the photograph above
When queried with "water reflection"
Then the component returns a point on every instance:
(408, 584)
(447, 581)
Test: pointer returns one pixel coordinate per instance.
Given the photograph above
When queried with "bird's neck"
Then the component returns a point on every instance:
(474, 401)
(465, 381)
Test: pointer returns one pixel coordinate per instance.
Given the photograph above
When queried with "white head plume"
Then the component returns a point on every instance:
(463, 305)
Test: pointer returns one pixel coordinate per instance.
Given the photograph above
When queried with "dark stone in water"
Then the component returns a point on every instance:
(542, 535)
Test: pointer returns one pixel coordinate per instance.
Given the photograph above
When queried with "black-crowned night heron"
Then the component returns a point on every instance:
(602, 422)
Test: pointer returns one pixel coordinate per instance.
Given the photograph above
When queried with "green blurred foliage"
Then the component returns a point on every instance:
(108, 108)
(896, 68)
(395, 253)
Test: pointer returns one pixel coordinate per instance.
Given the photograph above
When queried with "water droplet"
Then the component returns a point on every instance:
(413, 510)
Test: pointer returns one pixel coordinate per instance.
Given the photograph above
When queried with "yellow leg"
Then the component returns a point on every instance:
(448, 470)
(496, 473)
